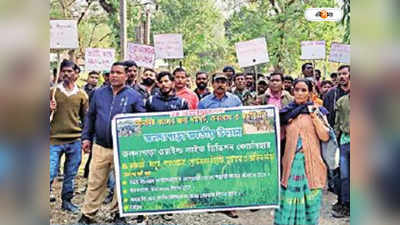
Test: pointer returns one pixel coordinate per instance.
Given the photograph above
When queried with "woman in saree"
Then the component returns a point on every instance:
(303, 169)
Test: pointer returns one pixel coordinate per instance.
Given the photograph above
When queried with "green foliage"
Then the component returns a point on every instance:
(201, 24)
(284, 27)
(210, 30)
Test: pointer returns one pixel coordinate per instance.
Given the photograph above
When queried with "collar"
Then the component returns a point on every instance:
(269, 94)
(215, 97)
(205, 90)
(109, 87)
(74, 90)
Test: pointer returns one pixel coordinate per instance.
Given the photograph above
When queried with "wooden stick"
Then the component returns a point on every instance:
(56, 82)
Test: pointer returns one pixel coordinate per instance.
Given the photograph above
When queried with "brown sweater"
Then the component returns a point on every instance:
(66, 126)
(311, 132)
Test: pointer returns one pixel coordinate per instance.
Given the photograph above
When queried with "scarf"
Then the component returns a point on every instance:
(292, 110)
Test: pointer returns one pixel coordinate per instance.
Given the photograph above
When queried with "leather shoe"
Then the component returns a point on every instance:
(119, 220)
(68, 206)
(231, 214)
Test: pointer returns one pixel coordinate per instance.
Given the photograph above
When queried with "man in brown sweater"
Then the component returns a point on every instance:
(69, 106)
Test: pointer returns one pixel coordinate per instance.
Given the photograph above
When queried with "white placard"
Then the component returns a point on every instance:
(340, 53)
(253, 52)
(143, 55)
(99, 59)
(312, 50)
(63, 34)
(168, 46)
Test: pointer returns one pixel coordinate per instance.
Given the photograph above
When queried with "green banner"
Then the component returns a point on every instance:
(199, 160)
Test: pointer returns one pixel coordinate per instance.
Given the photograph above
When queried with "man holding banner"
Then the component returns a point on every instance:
(148, 85)
(220, 98)
(105, 104)
(166, 100)
(181, 79)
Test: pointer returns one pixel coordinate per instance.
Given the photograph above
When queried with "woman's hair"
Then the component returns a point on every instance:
(307, 82)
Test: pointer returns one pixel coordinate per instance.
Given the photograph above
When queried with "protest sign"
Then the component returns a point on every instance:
(99, 59)
(196, 161)
(143, 55)
(312, 50)
(63, 34)
(340, 53)
(168, 46)
(253, 52)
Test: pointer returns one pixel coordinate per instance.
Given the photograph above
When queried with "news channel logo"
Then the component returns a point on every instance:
(323, 14)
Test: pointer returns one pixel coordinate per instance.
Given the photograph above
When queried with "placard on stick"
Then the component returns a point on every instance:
(340, 53)
(143, 55)
(312, 50)
(99, 59)
(63, 34)
(168, 46)
(251, 53)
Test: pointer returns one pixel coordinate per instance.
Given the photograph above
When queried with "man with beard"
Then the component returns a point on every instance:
(69, 106)
(132, 72)
(106, 102)
(201, 83)
(181, 80)
(262, 86)
(335, 93)
(148, 85)
(329, 103)
(166, 99)
(250, 82)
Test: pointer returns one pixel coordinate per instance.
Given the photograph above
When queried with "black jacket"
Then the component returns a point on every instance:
(103, 107)
(330, 101)
(162, 103)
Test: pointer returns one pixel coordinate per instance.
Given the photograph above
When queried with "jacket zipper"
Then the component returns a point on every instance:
(109, 117)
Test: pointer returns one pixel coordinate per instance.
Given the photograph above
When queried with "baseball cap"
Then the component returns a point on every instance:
(220, 76)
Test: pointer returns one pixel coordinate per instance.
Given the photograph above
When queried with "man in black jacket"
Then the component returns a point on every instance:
(334, 94)
(330, 99)
(166, 100)
(106, 102)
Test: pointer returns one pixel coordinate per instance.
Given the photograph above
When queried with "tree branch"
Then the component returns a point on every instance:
(84, 12)
(107, 6)
(101, 39)
(274, 7)
(92, 34)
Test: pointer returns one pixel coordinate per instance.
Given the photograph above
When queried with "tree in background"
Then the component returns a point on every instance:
(284, 26)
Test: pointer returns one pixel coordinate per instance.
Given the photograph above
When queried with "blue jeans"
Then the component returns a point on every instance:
(111, 181)
(73, 157)
(345, 173)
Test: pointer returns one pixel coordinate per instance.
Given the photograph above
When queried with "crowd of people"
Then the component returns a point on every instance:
(309, 106)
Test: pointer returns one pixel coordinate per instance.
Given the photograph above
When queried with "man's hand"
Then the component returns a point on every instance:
(53, 105)
(86, 145)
